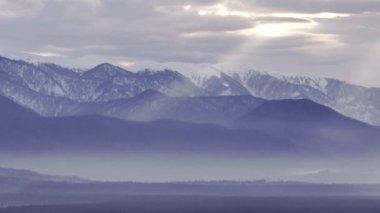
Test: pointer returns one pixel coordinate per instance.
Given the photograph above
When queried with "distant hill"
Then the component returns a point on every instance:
(31, 133)
(312, 125)
(152, 105)
(272, 128)
(15, 180)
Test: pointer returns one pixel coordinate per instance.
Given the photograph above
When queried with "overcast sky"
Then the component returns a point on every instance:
(334, 38)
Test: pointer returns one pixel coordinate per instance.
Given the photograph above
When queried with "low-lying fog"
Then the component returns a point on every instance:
(185, 167)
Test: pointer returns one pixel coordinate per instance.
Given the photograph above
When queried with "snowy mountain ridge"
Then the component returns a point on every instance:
(52, 90)
(199, 74)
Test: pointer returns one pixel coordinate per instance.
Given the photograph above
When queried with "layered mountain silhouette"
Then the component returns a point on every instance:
(312, 125)
(45, 108)
(52, 90)
(269, 128)
(28, 132)
(152, 105)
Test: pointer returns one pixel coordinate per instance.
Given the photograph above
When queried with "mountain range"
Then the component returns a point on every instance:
(52, 90)
(48, 108)
(287, 127)
(22, 130)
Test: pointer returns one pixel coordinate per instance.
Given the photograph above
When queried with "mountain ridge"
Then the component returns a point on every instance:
(311, 124)
(95, 133)
(52, 90)
(268, 130)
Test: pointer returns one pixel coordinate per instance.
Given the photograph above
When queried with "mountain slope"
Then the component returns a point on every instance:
(11, 111)
(271, 128)
(152, 105)
(100, 134)
(223, 85)
(312, 125)
(16, 180)
(29, 175)
(351, 100)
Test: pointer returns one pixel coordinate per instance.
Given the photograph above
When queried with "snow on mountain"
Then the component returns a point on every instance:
(197, 73)
(256, 127)
(209, 78)
(355, 101)
(246, 78)
(221, 80)
(53, 90)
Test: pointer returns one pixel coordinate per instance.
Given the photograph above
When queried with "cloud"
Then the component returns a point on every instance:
(126, 63)
(317, 6)
(45, 54)
(19, 8)
(273, 34)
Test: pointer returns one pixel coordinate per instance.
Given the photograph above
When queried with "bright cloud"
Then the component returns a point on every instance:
(279, 29)
(126, 63)
(45, 54)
